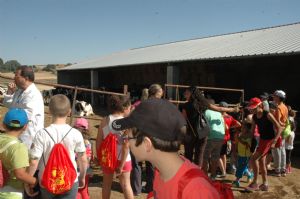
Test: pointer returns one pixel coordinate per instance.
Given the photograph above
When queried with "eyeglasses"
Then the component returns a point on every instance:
(126, 137)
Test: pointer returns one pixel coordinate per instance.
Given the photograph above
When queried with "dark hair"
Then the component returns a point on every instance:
(200, 103)
(26, 72)
(10, 128)
(159, 144)
(293, 125)
(117, 103)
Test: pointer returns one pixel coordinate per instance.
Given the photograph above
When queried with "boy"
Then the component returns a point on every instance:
(14, 154)
(59, 131)
(156, 135)
(244, 143)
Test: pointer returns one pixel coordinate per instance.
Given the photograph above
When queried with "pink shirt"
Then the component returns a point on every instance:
(197, 188)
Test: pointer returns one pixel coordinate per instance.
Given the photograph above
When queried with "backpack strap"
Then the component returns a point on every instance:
(54, 141)
(66, 134)
(190, 125)
(49, 135)
(187, 178)
(8, 145)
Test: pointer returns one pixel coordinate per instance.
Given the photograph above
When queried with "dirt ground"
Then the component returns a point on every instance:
(280, 187)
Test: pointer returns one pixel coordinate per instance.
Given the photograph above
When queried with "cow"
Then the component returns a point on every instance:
(47, 94)
(83, 108)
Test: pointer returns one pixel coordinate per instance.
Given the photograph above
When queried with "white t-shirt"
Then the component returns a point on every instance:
(108, 128)
(43, 144)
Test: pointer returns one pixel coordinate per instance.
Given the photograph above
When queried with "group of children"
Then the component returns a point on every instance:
(265, 133)
(153, 132)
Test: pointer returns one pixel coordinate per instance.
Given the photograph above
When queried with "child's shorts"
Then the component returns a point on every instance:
(126, 168)
(264, 146)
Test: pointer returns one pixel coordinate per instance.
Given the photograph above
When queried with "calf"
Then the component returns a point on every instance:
(83, 108)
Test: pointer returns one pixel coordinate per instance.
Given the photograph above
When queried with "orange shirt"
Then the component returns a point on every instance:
(197, 188)
(281, 113)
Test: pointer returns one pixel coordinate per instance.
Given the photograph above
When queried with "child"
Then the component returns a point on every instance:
(14, 154)
(230, 124)
(266, 123)
(215, 141)
(82, 125)
(289, 141)
(244, 142)
(281, 115)
(59, 131)
(120, 107)
(157, 132)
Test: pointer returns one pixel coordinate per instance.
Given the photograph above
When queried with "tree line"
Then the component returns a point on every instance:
(11, 65)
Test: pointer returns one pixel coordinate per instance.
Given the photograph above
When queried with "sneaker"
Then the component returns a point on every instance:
(252, 187)
(236, 184)
(250, 177)
(283, 173)
(264, 187)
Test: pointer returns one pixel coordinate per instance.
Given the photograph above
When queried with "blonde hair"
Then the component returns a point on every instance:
(145, 94)
(153, 89)
(59, 106)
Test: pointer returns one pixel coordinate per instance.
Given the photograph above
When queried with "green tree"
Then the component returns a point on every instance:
(1, 62)
(11, 65)
(49, 67)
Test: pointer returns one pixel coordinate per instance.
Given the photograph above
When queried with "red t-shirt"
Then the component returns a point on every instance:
(229, 122)
(197, 188)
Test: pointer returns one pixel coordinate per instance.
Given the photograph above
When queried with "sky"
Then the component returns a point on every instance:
(70, 31)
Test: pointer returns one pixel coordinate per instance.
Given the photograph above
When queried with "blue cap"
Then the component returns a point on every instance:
(15, 117)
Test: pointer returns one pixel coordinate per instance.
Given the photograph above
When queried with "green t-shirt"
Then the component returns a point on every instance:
(14, 157)
(216, 124)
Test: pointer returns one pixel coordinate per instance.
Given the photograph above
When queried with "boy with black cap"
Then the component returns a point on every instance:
(157, 130)
(14, 155)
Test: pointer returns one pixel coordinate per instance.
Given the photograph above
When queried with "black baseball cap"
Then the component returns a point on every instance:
(265, 95)
(154, 117)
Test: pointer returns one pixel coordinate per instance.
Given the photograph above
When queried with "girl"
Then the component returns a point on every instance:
(81, 124)
(120, 108)
(265, 122)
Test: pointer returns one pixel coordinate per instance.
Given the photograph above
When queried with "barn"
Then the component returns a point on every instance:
(260, 60)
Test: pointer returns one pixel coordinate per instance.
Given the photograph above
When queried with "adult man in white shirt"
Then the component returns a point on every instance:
(24, 94)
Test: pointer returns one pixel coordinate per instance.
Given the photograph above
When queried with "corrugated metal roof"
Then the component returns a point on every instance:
(275, 40)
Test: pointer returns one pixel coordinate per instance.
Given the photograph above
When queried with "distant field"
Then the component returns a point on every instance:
(43, 76)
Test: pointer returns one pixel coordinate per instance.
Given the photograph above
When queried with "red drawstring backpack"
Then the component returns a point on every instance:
(59, 174)
(107, 153)
(4, 175)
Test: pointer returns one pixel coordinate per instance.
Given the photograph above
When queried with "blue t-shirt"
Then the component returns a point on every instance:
(216, 124)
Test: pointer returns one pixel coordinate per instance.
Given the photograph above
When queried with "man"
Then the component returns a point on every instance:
(22, 93)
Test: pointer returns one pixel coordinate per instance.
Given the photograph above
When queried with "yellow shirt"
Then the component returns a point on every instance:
(243, 150)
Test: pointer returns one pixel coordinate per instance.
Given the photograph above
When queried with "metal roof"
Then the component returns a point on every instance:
(268, 41)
